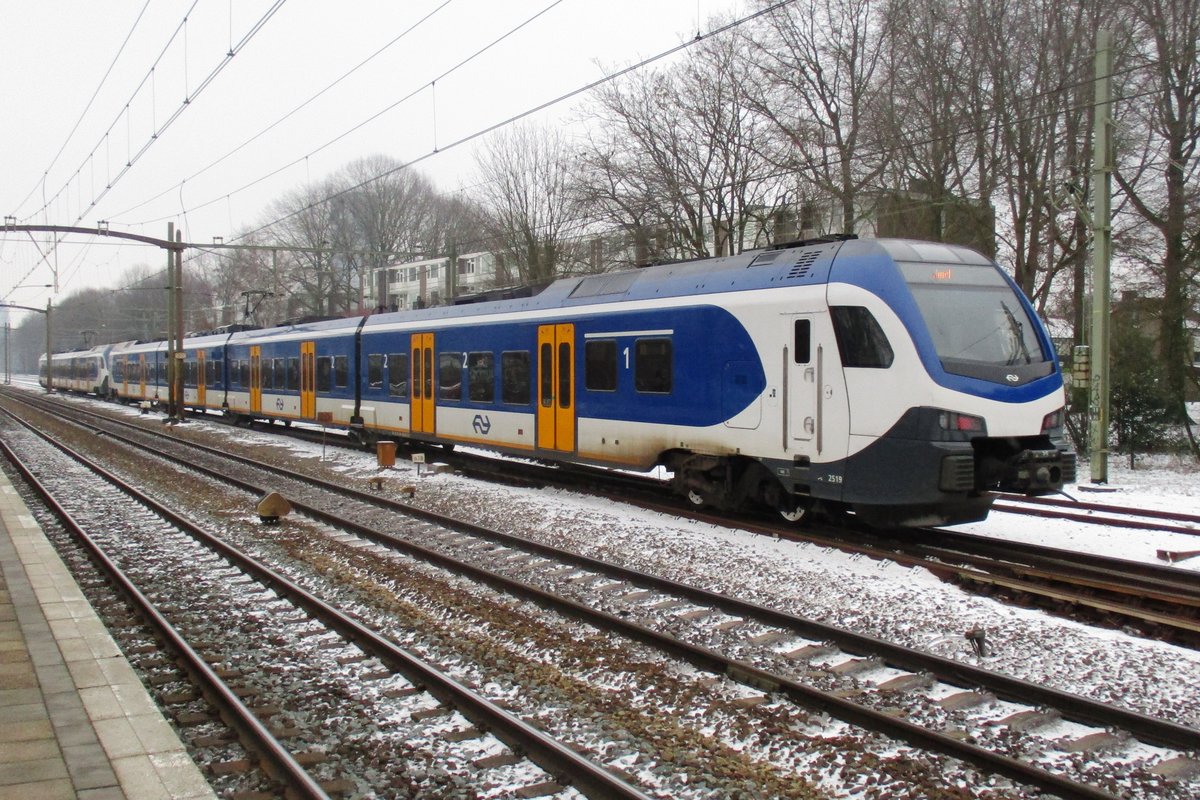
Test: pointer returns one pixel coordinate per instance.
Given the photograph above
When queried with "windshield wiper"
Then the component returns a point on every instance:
(1017, 330)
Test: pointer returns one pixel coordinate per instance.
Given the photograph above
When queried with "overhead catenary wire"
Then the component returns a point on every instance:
(594, 84)
(88, 106)
(363, 123)
(147, 78)
(159, 130)
(444, 148)
(965, 130)
(361, 64)
(477, 134)
(439, 148)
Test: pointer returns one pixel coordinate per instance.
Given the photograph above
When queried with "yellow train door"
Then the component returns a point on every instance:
(255, 379)
(421, 402)
(556, 388)
(308, 380)
(200, 378)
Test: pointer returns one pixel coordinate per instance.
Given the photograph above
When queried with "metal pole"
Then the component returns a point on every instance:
(1102, 169)
(177, 257)
(49, 363)
(171, 398)
(7, 363)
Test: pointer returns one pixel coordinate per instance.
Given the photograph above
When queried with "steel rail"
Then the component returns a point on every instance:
(1115, 522)
(255, 735)
(1167, 584)
(556, 758)
(1109, 508)
(1075, 707)
(1009, 689)
(712, 661)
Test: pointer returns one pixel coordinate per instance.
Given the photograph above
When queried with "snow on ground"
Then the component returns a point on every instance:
(1160, 483)
(877, 598)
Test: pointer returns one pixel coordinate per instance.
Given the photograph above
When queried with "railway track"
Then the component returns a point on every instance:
(274, 624)
(1107, 514)
(789, 641)
(1157, 601)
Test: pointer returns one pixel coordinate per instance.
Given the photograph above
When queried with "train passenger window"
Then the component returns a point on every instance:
(514, 377)
(450, 376)
(375, 371)
(803, 344)
(652, 371)
(481, 377)
(397, 364)
(293, 374)
(244, 372)
(564, 375)
(341, 371)
(418, 390)
(280, 367)
(547, 372)
(324, 374)
(119, 371)
(427, 372)
(860, 340)
(600, 366)
(189, 373)
(215, 371)
(268, 375)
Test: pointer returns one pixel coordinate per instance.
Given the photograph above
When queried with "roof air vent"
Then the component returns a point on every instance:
(803, 265)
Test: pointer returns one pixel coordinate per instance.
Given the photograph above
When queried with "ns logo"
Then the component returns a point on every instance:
(482, 424)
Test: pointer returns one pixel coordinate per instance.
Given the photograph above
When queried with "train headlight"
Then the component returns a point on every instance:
(1053, 422)
(952, 421)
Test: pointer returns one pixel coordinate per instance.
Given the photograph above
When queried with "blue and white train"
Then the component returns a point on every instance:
(84, 371)
(900, 381)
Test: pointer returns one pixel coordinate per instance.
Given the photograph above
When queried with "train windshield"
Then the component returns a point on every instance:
(978, 324)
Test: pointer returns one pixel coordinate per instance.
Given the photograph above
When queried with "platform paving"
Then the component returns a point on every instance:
(75, 721)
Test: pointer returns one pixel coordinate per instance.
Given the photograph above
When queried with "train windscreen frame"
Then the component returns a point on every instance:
(978, 324)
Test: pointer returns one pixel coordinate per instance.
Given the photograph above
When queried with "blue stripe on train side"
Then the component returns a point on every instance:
(698, 398)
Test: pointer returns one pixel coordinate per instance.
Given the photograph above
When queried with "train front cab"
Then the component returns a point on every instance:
(978, 410)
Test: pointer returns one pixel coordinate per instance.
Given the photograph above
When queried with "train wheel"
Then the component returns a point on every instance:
(793, 514)
(695, 498)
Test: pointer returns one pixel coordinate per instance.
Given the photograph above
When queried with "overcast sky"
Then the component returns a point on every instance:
(63, 83)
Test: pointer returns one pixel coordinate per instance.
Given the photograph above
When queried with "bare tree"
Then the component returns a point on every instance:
(933, 113)
(307, 224)
(527, 196)
(389, 214)
(245, 283)
(676, 161)
(819, 62)
(1042, 103)
(1161, 181)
